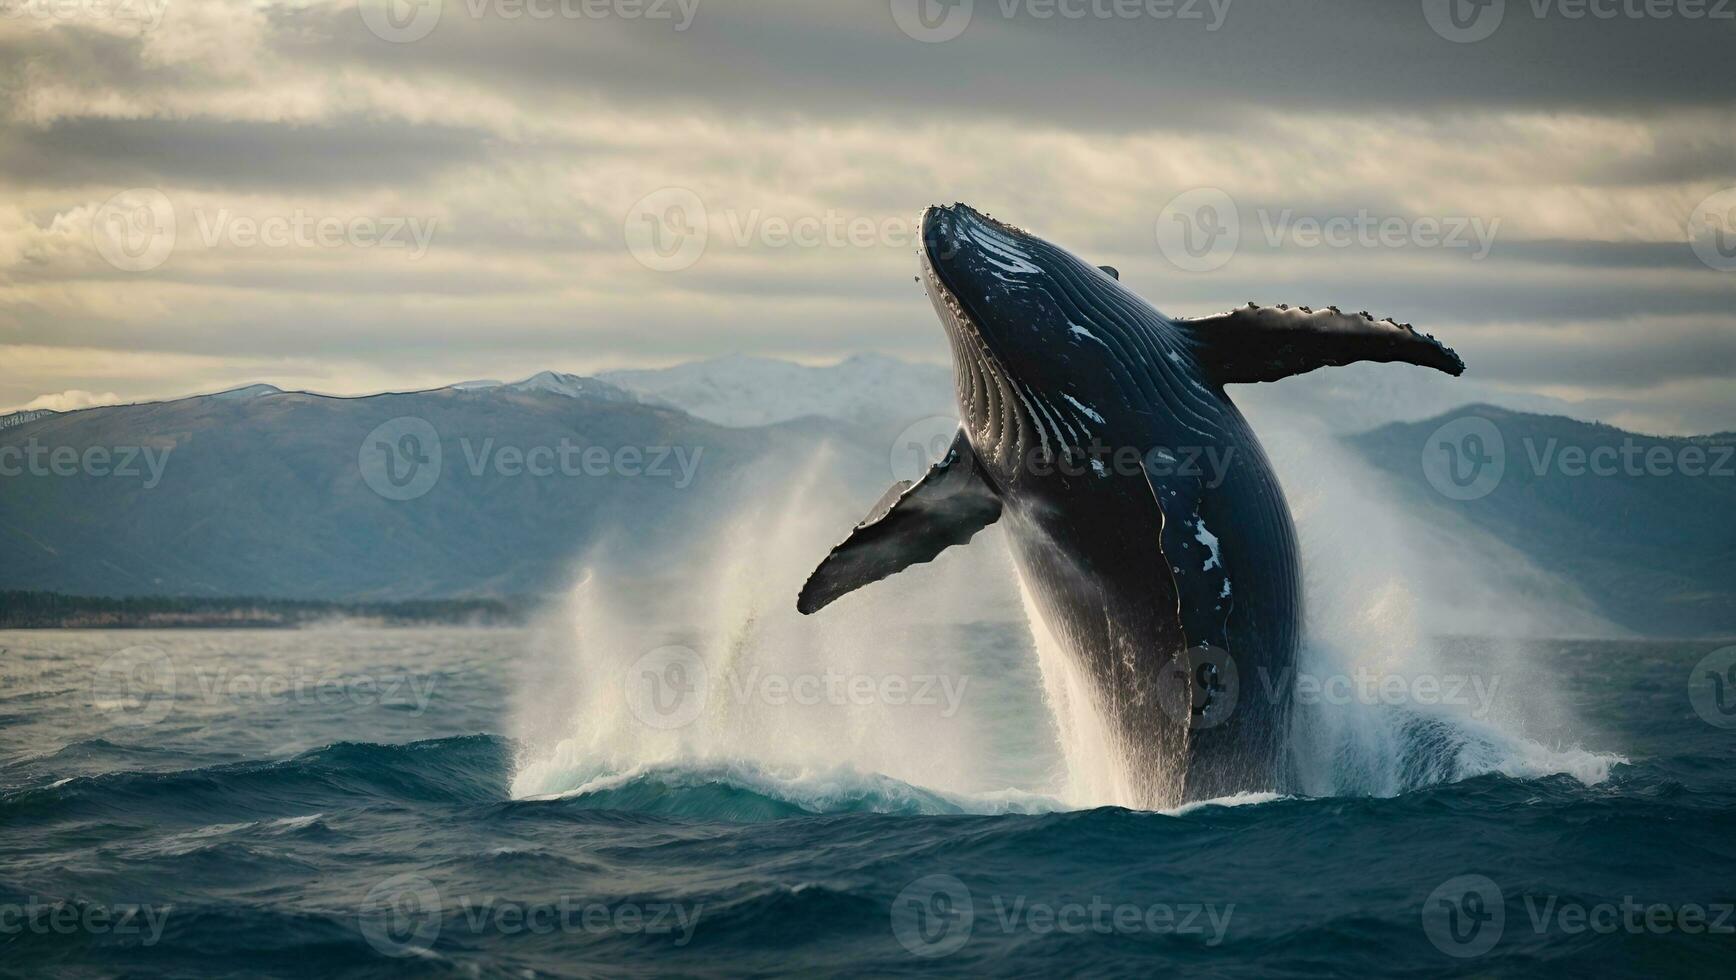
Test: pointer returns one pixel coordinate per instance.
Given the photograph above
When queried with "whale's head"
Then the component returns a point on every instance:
(1028, 321)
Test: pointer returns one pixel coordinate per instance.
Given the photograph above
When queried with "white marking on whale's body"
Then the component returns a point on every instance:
(1090, 412)
(1210, 540)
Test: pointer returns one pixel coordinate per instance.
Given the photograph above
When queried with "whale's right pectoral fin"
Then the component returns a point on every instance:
(910, 525)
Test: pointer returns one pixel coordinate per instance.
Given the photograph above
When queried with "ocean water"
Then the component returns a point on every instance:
(456, 802)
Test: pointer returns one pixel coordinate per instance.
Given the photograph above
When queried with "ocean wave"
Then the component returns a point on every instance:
(745, 791)
(470, 768)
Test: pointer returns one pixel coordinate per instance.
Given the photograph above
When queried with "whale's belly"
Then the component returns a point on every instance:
(1192, 723)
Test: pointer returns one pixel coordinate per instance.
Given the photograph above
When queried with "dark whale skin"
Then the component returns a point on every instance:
(1057, 363)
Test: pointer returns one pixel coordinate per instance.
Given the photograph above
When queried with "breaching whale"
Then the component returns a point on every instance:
(1145, 520)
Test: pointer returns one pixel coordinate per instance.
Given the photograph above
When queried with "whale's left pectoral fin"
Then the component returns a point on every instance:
(1264, 343)
(911, 524)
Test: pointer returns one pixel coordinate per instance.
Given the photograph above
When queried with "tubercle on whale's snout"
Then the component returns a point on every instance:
(945, 241)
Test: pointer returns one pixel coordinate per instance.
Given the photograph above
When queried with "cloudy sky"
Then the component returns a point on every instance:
(203, 193)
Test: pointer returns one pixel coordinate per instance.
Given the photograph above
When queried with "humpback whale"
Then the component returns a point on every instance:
(1144, 518)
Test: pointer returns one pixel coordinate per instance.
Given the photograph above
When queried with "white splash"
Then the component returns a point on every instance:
(1095, 772)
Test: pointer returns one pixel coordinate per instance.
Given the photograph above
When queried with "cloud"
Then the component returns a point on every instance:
(70, 400)
(523, 142)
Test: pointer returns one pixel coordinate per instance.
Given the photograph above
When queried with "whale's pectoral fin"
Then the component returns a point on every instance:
(1263, 343)
(911, 524)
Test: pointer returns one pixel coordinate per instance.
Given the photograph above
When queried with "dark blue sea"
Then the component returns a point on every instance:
(353, 802)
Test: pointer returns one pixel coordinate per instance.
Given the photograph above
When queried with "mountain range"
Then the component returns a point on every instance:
(487, 489)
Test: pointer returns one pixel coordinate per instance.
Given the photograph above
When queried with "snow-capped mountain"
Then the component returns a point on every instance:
(746, 391)
(554, 382)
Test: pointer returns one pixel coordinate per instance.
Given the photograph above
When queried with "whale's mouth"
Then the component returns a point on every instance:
(948, 305)
(988, 404)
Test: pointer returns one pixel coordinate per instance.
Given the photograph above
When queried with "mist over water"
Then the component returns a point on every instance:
(1386, 700)
(917, 678)
(940, 689)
